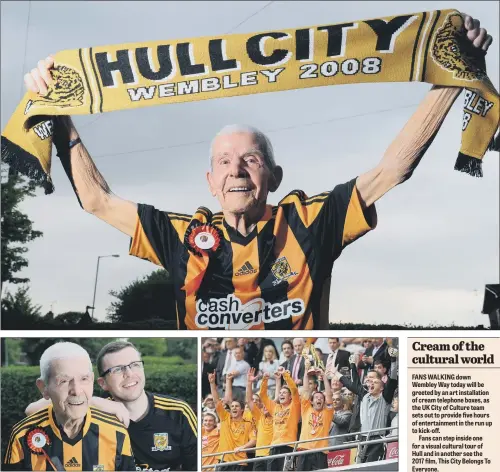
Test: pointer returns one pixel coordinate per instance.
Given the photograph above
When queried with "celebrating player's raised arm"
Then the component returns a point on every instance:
(228, 395)
(248, 393)
(91, 189)
(410, 145)
(213, 387)
(306, 392)
(328, 388)
(292, 386)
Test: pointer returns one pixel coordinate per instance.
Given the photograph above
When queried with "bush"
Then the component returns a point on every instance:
(19, 389)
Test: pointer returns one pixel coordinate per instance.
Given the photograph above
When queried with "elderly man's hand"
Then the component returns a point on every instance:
(118, 409)
(477, 35)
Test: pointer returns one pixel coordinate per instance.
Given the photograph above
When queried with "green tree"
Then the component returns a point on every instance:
(17, 228)
(150, 346)
(18, 311)
(11, 351)
(147, 298)
(34, 347)
(183, 347)
(69, 318)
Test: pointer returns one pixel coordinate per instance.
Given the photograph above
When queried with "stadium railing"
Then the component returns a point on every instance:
(360, 444)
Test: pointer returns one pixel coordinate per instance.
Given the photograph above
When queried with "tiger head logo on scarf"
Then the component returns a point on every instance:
(66, 91)
(452, 52)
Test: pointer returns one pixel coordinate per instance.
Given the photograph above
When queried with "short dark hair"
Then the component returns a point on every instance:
(241, 403)
(315, 393)
(376, 373)
(338, 339)
(114, 346)
(287, 342)
(382, 363)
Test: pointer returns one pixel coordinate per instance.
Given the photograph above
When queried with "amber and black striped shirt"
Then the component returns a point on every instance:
(166, 438)
(277, 277)
(102, 444)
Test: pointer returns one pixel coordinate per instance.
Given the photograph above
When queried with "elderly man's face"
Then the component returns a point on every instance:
(70, 387)
(127, 385)
(298, 345)
(337, 401)
(239, 177)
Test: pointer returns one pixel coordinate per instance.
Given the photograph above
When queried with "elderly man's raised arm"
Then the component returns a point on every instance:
(406, 151)
(92, 191)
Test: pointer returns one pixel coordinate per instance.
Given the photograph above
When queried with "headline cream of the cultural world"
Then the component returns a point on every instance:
(461, 353)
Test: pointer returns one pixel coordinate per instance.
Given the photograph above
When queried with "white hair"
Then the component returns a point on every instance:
(62, 350)
(262, 141)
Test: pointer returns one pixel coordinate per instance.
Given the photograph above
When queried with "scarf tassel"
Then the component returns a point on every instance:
(469, 165)
(23, 162)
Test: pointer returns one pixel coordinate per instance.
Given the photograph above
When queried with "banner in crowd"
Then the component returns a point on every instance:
(341, 458)
(392, 451)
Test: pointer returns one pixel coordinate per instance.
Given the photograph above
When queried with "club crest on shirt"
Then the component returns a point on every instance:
(161, 442)
(281, 270)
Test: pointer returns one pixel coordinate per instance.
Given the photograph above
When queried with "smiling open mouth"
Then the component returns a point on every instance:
(239, 189)
(130, 384)
(75, 403)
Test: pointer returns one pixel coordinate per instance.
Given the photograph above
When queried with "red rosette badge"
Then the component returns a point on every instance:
(203, 240)
(37, 439)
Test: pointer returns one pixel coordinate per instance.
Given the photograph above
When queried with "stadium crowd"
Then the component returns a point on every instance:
(260, 392)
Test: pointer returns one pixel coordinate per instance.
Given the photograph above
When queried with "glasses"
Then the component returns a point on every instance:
(121, 369)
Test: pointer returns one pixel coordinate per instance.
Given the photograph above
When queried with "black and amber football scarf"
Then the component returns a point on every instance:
(423, 47)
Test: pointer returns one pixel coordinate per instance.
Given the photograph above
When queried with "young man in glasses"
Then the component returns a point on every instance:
(162, 429)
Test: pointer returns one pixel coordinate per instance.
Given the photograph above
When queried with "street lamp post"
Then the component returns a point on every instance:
(96, 275)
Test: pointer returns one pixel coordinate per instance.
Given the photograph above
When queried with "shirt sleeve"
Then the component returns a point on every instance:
(221, 411)
(14, 454)
(329, 412)
(189, 441)
(304, 405)
(339, 218)
(158, 235)
(255, 412)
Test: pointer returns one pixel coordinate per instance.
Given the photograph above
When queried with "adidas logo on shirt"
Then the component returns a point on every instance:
(72, 463)
(246, 269)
